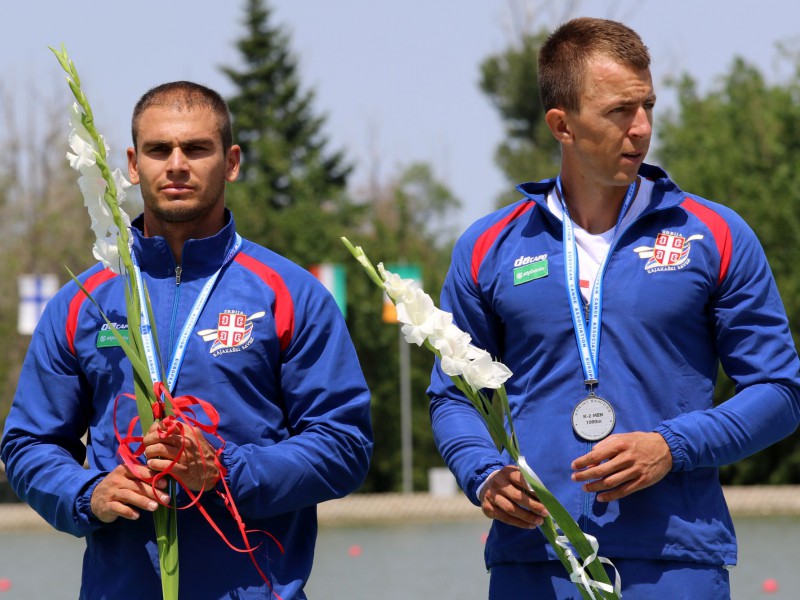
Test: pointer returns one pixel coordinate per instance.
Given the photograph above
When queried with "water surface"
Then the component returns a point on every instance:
(398, 562)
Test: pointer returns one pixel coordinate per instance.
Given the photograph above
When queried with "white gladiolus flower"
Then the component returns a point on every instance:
(450, 340)
(76, 121)
(417, 309)
(81, 143)
(413, 334)
(419, 318)
(83, 156)
(397, 288)
(454, 348)
(93, 188)
(454, 366)
(106, 251)
(483, 372)
(417, 333)
(422, 321)
(121, 184)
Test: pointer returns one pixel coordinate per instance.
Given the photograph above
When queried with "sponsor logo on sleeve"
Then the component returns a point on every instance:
(106, 337)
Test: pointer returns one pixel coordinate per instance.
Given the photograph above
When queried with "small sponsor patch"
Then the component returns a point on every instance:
(107, 339)
(527, 273)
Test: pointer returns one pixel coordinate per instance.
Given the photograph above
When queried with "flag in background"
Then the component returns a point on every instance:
(332, 277)
(34, 293)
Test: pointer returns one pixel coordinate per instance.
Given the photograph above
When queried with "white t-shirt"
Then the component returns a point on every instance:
(593, 248)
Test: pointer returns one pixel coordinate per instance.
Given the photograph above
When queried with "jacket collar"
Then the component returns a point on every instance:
(201, 257)
(665, 192)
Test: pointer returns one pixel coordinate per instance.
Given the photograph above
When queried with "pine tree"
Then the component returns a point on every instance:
(290, 194)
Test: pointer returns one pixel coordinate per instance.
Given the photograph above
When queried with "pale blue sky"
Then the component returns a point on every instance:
(397, 80)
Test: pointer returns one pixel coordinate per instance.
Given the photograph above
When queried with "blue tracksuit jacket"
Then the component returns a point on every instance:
(293, 405)
(687, 286)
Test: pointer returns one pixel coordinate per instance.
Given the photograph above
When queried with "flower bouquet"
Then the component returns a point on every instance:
(473, 370)
(104, 192)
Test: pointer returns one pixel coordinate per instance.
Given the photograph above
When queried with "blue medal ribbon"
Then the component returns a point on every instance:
(587, 334)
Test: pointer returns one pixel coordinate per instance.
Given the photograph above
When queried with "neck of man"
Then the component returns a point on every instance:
(177, 234)
(593, 208)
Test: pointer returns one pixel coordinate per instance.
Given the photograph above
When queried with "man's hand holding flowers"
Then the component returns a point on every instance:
(184, 452)
(506, 497)
(123, 491)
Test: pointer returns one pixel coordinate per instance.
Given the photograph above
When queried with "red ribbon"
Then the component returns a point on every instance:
(185, 409)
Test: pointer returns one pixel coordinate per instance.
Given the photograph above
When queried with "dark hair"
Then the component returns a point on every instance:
(185, 95)
(564, 56)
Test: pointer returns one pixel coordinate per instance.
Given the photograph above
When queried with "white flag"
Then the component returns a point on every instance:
(34, 292)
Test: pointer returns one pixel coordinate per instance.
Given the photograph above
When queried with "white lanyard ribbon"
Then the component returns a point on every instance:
(148, 340)
(586, 334)
(579, 573)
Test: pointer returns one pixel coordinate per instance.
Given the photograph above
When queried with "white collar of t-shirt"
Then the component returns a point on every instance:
(593, 248)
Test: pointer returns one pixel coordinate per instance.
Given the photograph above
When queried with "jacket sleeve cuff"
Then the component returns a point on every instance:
(228, 460)
(477, 484)
(85, 518)
(680, 459)
(483, 483)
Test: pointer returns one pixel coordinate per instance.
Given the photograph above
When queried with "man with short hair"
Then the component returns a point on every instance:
(269, 350)
(613, 296)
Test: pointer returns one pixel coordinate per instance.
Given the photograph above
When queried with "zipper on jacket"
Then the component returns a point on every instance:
(175, 303)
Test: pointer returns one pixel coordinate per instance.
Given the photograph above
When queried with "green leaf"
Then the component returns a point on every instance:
(571, 530)
(165, 519)
(61, 56)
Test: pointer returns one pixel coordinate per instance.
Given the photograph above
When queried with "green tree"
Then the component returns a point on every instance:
(290, 194)
(43, 224)
(405, 225)
(292, 198)
(529, 151)
(739, 144)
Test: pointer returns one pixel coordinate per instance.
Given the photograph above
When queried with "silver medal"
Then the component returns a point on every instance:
(593, 418)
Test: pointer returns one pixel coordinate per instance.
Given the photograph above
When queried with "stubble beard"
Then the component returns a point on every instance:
(179, 211)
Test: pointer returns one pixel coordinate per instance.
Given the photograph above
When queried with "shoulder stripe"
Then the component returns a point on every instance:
(489, 236)
(91, 284)
(719, 229)
(283, 311)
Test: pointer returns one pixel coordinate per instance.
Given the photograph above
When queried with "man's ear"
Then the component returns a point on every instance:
(233, 161)
(556, 120)
(133, 167)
